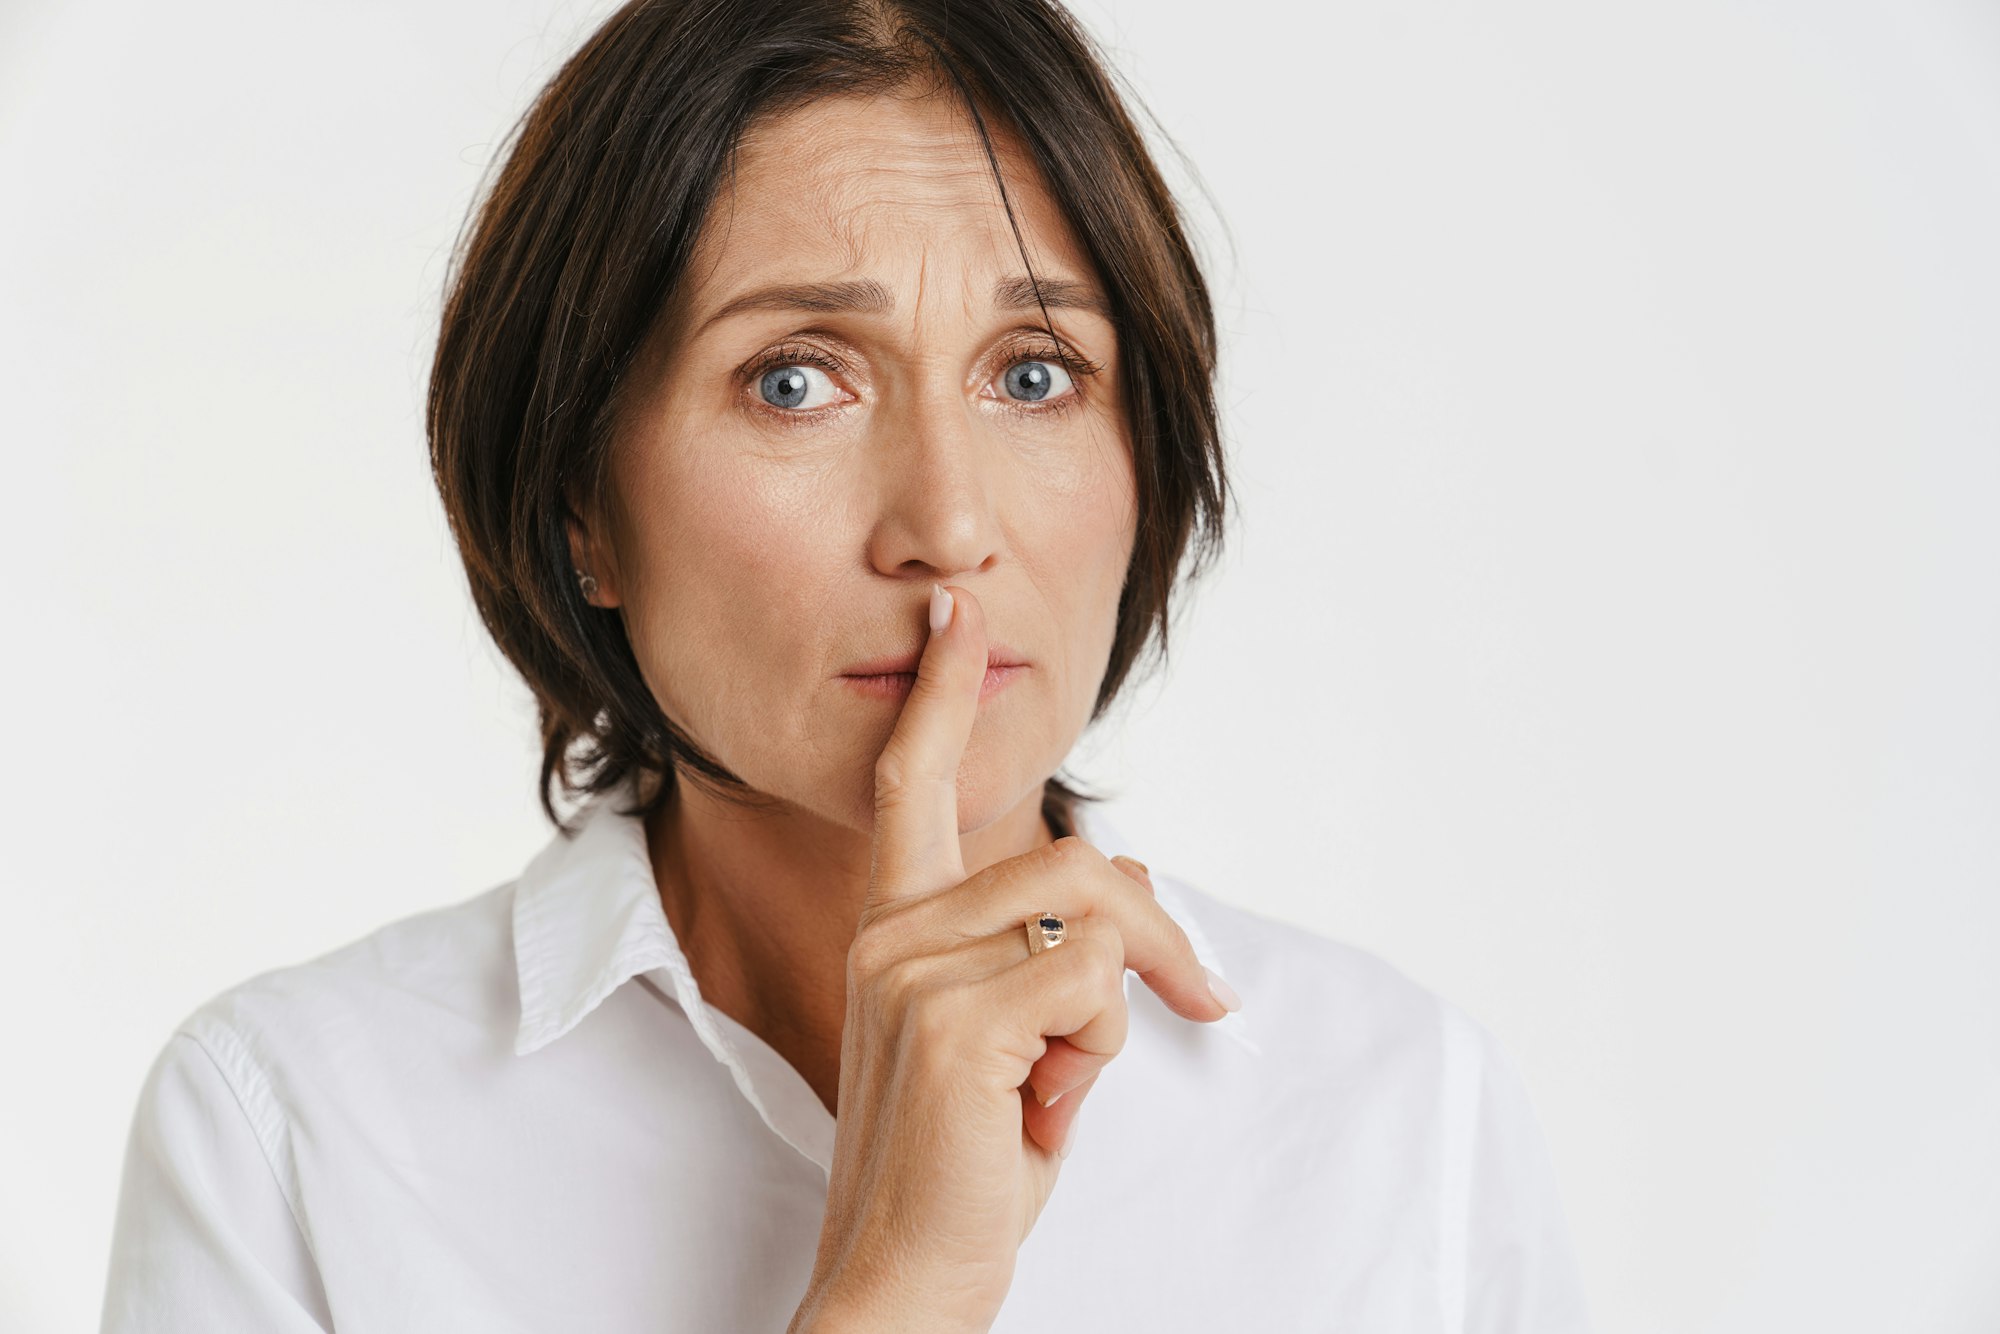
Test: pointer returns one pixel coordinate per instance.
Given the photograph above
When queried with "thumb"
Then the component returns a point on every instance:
(916, 848)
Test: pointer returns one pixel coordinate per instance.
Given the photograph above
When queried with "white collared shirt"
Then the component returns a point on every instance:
(518, 1113)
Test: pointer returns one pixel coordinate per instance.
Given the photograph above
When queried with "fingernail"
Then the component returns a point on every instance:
(1047, 1102)
(1225, 995)
(940, 609)
(1145, 875)
(1069, 1141)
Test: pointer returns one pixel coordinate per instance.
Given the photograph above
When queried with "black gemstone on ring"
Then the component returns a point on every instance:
(1051, 924)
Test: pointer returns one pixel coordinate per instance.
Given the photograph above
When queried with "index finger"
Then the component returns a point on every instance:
(915, 848)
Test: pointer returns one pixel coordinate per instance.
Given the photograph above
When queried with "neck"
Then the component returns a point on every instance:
(765, 903)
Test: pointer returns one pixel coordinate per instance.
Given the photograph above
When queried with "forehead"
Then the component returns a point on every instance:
(889, 184)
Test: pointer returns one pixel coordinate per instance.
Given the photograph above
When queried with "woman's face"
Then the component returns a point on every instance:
(797, 467)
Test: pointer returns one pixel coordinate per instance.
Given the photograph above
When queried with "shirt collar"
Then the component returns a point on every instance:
(587, 919)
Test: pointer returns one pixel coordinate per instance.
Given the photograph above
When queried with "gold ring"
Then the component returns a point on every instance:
(1045, 932)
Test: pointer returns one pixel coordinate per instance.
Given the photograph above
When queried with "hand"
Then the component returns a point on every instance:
(944, 1152)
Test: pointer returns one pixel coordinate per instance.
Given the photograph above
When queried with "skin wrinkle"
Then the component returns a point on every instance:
(752, 560)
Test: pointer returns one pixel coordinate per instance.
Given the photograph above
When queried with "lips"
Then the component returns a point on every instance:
(905, 664)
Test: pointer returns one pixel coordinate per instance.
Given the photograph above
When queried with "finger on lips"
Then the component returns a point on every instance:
(978, 923)
(916, 847)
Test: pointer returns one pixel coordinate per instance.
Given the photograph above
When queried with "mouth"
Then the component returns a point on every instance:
(905, 664)
(891, 677)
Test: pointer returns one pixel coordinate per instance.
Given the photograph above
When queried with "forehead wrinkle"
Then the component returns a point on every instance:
(923, 170)
(917, 304)
(847, 145)
(873, 176)
(868, 233)
(855, 218)
(840, 198)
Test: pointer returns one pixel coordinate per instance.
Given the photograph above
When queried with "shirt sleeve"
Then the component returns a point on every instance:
(1520, 1274)
(205, 1237)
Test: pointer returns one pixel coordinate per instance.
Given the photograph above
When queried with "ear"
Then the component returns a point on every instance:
(589, 552)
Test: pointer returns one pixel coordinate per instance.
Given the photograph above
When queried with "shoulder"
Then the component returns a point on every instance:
(1331, 1003)
(349, 1027)
(443, 972)
(1293, 969)
(1305, 992)
(1369, 1069)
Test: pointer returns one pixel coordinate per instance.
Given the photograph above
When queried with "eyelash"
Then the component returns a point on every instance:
(803, 354)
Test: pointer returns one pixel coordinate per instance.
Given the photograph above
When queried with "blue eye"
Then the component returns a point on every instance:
(1032, 381)
(788, 386)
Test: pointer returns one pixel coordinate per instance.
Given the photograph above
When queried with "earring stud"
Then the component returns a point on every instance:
(588, 583)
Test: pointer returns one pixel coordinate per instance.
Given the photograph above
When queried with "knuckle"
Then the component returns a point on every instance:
(1153, 915)
(895, 782)
(1110, 958)
(1068, 853)
(1130, 895)
(895, 983)
(869, 953)
(1100, 953)
(937, 1015)
(900, 776)
(1102, 980)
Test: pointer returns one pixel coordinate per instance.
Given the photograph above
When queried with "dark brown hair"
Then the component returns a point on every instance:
(581, 242)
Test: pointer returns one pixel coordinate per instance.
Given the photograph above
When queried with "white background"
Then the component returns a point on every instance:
(1611, 636)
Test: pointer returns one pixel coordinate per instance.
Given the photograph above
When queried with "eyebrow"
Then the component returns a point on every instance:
(867, 296)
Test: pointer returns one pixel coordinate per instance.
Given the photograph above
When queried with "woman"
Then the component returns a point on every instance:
(823, 407)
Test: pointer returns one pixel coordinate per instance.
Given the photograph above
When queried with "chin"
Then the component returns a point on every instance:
(987, 792)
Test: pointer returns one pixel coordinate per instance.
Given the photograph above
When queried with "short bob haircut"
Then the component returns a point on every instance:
(578, 249)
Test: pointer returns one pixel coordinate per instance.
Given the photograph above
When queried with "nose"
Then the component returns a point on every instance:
(939, 483)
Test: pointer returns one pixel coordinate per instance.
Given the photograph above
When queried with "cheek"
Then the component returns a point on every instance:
(729, 586)
(1099, 516)
(1082, 539)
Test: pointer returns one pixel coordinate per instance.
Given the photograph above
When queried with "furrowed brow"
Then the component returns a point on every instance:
(867, 296)
(1018, 293)
(861, 294)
